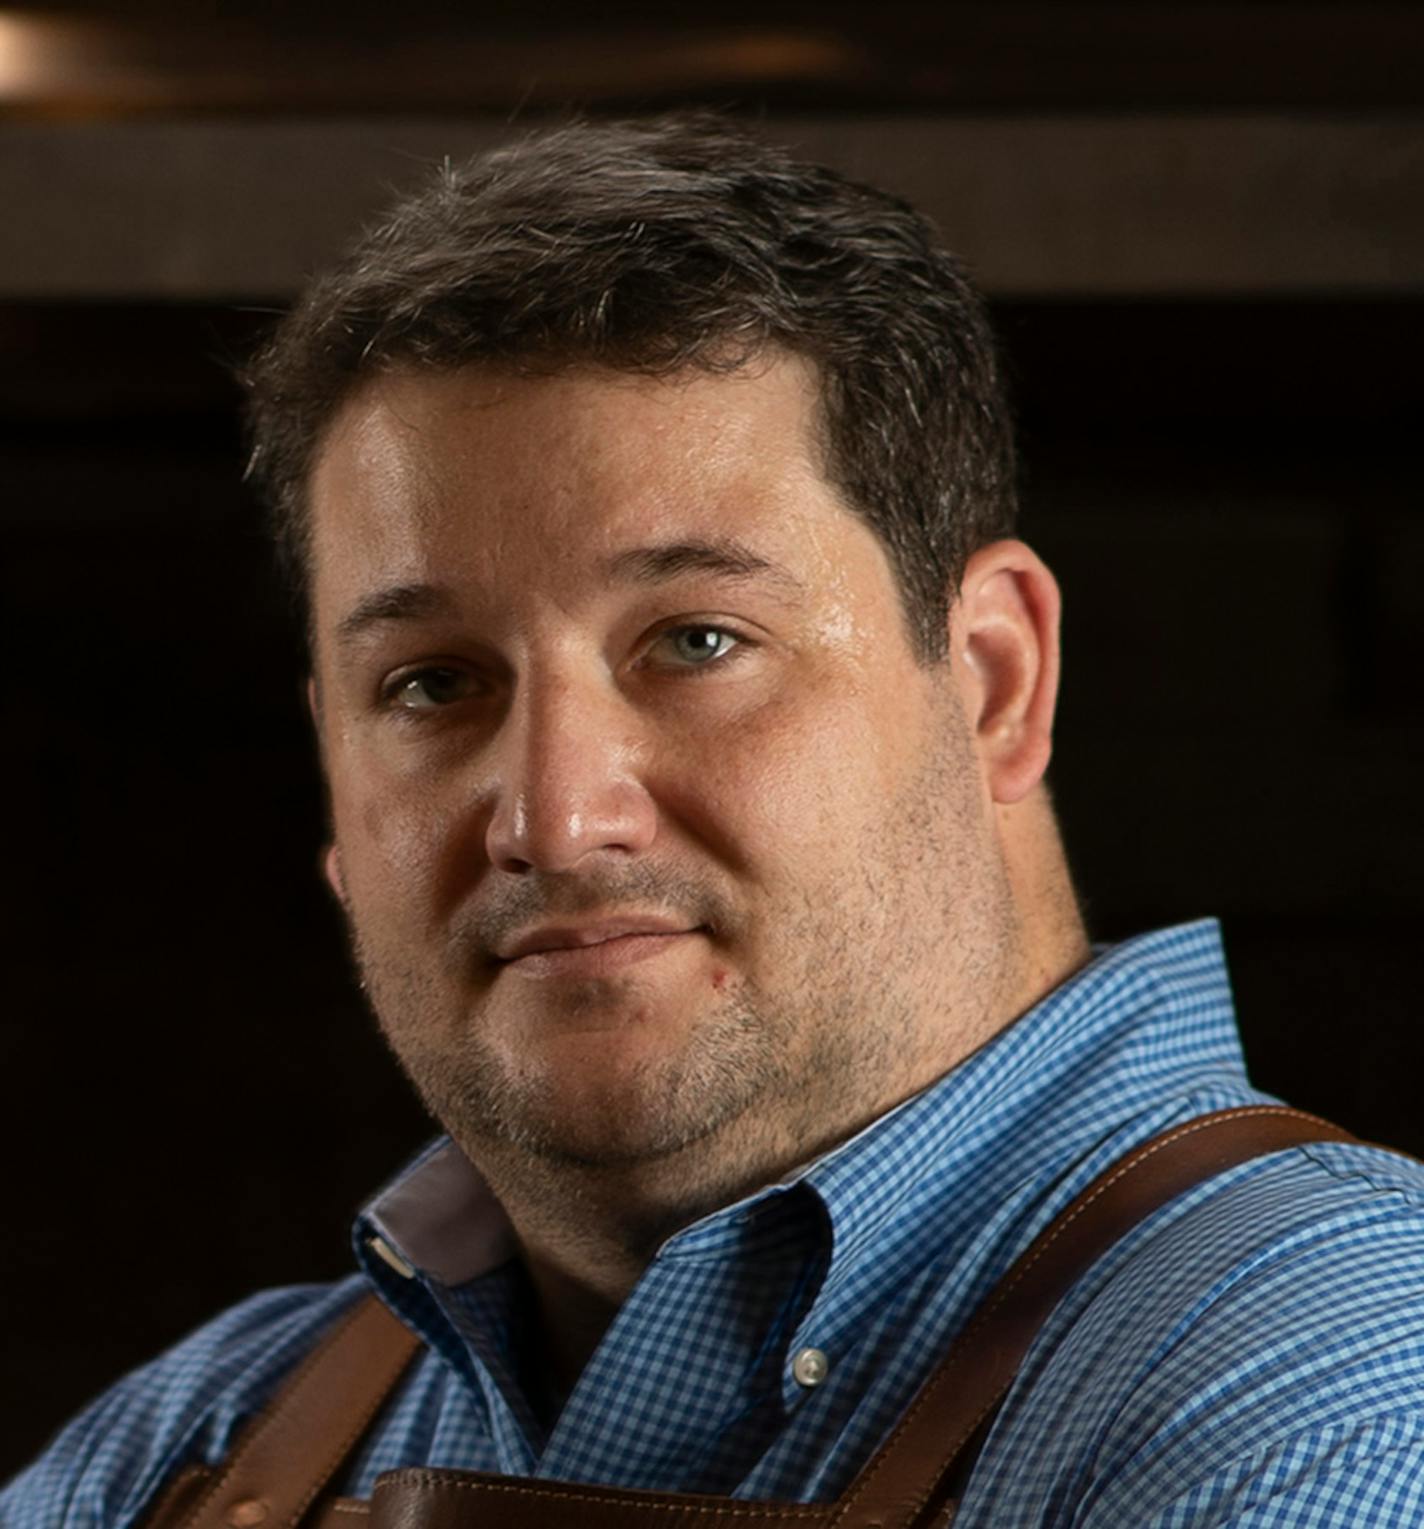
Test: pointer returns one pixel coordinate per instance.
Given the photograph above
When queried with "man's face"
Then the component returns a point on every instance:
(657, 844)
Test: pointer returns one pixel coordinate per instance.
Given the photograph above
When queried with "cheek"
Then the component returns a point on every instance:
(396, 843)
(787, 787)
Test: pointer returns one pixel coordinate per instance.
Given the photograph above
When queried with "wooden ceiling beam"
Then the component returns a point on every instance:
(1045, 205)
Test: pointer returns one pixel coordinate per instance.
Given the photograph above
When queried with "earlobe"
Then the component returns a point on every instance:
(330, 860)
(331, 873)
(1005, 631)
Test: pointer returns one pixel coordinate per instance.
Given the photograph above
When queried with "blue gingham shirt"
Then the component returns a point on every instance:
(1251, 1354)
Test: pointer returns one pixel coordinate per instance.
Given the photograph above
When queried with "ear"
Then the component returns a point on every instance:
(331, 872)
(330, 860)
(1004, 636)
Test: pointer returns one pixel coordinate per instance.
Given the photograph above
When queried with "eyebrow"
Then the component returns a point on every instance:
(398, 602)
(724, 557)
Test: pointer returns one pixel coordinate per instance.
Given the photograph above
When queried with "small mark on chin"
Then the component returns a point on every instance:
(719, 978)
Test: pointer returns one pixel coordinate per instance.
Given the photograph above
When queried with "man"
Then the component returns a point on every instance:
(685, 703)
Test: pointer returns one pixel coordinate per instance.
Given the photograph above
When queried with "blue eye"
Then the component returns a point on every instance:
(428, 689)
(698, 646)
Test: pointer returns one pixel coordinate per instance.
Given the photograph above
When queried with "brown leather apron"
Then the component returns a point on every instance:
(280, 1468)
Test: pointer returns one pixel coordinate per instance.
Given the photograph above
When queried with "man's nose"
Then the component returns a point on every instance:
(567, 781)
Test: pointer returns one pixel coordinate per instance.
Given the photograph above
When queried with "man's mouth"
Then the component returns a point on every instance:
(593, 947)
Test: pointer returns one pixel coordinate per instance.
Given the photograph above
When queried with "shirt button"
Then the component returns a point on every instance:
(810, 1367)
(247, 1514)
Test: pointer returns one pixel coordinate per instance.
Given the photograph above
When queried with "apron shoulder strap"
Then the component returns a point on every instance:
(292, 1450)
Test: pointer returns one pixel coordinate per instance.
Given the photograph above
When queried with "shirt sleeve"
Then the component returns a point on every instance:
(1291, 1391)
(1255, 1358)
(106, 1467)
(1370, 1474)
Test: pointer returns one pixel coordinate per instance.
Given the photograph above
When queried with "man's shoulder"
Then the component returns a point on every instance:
(1282, 1231)
(1267, 1324)
(182, 1408)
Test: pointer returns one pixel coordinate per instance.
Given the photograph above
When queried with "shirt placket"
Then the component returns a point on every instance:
(684, 1390)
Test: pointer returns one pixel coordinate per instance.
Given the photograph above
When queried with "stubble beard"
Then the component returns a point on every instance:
(776, 1076)
(763, 1075)
(649, 1109)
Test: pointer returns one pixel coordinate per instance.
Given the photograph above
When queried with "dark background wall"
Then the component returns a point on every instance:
(1200, 229)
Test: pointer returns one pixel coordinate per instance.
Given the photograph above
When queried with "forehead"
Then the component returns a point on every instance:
(518, 483)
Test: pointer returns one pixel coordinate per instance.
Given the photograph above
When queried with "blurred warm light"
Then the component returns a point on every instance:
(18, 50)
(85, 64)
(39, 54)
(787, 56)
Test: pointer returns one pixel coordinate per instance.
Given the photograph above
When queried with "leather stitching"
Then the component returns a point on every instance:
(511, 1487)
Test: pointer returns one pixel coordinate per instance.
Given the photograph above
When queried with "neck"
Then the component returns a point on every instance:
(577, 1302)
(587, 1233)
(1053, 940)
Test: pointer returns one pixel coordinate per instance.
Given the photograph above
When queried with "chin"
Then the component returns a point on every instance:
(604, 1086)
(620, 1123)
(614, 1107)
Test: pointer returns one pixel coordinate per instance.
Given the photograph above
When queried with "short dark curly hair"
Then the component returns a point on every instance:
(657, 245)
